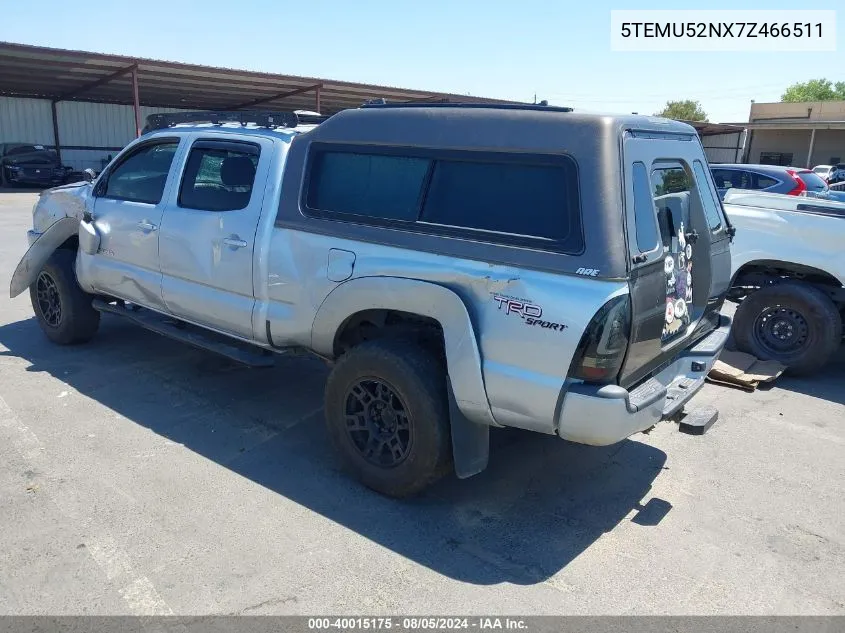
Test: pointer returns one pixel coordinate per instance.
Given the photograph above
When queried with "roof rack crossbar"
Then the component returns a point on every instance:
(259, 118)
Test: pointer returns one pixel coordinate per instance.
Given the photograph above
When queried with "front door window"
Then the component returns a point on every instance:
(141, 176)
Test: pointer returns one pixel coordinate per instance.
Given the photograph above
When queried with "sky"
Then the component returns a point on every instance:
(558, 50)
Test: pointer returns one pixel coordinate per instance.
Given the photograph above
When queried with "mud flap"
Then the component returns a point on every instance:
(470, 440)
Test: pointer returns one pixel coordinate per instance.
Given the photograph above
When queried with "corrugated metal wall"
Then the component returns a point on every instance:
(724, 148)
(88, 132)
(25, 121)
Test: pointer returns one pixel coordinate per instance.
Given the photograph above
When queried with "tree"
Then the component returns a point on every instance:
(814, 90)
(686, 110)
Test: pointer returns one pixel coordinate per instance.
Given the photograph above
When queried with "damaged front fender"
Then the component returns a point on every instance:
(38, 254)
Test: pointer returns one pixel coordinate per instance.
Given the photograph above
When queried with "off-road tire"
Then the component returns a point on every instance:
(419, 381)
(78, 320)
(823, 326)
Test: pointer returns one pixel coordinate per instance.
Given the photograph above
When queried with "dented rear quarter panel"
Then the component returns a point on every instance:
(526, 323)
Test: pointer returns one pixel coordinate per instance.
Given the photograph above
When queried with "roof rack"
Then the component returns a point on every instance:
(311, 118)
(381, 103)
(261, 119)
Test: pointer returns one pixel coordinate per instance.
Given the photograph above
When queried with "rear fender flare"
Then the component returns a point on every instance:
(418, 297)
(470, 417)
(42, 248)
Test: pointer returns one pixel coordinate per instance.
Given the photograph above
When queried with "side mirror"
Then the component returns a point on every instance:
(90, 175)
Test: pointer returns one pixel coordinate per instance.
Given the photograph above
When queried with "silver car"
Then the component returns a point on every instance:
(461, 267)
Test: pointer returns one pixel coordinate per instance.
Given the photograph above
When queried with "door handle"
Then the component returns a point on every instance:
(147, 226)
(234, 242)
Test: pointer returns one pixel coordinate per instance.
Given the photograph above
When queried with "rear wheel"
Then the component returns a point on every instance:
(792, 323)
(63, 309)
(388, 417)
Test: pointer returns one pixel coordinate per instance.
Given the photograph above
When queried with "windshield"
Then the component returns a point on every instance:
(812, 181)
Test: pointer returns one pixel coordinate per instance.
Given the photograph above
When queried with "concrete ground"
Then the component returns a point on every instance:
(140, 476)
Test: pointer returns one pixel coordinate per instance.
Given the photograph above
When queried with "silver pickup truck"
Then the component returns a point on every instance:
(462, 267)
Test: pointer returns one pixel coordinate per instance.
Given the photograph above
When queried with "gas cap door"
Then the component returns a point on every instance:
(340, 265)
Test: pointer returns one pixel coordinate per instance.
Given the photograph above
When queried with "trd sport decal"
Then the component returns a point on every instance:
(531, 314)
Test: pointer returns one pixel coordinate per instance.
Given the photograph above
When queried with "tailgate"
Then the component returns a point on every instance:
(680, 253)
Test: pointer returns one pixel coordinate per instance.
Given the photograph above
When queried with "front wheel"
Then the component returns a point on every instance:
(63, 309)
(388, 416)
(793, 323)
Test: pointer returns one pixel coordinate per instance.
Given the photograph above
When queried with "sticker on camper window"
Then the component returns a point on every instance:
(677, 265)
(672, 191)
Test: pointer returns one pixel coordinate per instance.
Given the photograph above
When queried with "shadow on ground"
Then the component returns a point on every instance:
(540, 504)
(828, 384)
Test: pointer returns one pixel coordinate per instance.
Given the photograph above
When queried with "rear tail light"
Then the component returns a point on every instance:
(800, 187)
(599, 355)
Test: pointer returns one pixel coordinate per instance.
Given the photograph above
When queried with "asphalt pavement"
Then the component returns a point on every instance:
(140, 476)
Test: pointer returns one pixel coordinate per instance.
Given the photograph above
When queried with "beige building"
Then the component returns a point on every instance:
(796, 134)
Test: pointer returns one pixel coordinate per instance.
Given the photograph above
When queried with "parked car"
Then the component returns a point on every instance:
(792, 181)
(454, 283)
(831, 174)
(27, 164)
(824, 172)
(788, 277)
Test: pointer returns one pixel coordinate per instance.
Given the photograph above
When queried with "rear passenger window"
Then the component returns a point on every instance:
(507, 198)
(218, 178)
(645, 217)
(732, 179)
(764, 182)
(385, 187)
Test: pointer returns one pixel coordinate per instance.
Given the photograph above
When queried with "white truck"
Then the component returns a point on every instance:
(788, 275)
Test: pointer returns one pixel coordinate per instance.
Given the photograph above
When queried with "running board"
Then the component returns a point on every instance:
(192, 335)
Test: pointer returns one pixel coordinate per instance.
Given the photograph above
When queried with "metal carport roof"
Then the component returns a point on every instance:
(714, 129)
(68, 75)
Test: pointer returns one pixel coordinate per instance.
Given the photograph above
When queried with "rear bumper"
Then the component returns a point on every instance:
(602, 415)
